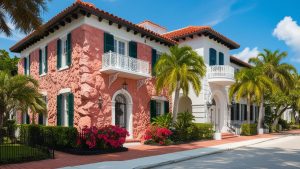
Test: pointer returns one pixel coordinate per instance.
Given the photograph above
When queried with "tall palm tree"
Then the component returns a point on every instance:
(19, 92)
(178, 70)
(25, 15)
(251, 84)
(272, 66)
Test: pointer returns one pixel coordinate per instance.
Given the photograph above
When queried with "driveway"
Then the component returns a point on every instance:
(279, 153)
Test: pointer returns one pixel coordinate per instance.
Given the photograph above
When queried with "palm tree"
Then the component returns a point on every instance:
(272, 66)
(177, 70)
(19, 92)
(251, 84)
(24, 15)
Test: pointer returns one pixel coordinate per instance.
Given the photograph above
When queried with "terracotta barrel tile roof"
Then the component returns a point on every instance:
(205, 30)
(89, 8)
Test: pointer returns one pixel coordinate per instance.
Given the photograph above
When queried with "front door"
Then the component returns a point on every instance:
(120, 110)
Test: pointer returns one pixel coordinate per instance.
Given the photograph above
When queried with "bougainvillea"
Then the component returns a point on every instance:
(106, 137)
(158, 135)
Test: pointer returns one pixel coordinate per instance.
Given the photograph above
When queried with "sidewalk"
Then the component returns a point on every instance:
(139, 152)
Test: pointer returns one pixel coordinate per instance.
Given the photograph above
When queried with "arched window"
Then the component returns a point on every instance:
(221, 58)
(212, 56)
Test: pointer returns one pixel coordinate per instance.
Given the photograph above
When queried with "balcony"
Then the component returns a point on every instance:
(125, 66)
(220, 75)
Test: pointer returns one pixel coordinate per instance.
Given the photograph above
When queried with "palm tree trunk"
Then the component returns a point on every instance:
(248, 111)
(176, 101)
(278, 115)
(260, 115)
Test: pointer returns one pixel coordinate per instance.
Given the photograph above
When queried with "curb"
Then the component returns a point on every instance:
(229, 148)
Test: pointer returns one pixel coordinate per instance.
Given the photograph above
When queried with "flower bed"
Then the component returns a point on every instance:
(94, 140)
(157, 135)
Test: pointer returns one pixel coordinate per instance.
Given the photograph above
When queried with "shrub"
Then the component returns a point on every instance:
(10, 128)
(284, 124)
(157, 135)
(249, 129)
(183, 125)
(164, 121)
(103, 138)
(55, 136)
(205, 130)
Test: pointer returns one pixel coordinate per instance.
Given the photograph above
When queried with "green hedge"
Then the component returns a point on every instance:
(205, 130)
(249, 129)
(55, 136)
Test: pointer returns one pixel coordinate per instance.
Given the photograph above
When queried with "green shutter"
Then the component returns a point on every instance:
(25, 65)
(58, 47)
(40, 62)
(152, 110)
(40, 118)
(71, 109)
(69, 49)
(46, 59)
(221, 58)
(133, 49)
(153, 59)
(108, 42)
(166, 107)
(28, 65)
(27, 118)
(59, 109)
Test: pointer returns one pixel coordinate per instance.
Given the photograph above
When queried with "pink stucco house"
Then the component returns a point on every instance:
(95, 68)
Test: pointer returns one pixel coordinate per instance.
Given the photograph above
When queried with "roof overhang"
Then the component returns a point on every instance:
(78, 9)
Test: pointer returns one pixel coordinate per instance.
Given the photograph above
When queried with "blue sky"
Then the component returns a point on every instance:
(254, 24)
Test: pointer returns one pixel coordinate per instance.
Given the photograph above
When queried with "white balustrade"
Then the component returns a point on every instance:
(220, 71)
(115, 61)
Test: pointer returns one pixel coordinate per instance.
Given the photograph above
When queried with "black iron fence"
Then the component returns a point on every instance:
(22, 146)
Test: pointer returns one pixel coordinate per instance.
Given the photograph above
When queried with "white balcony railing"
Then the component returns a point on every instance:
(114, 62)
(220, 72)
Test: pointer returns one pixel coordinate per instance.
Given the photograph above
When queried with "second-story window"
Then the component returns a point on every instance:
(43, 60)
(221, 58)
(212, 57)
(120, 46)
(64, 52)
(27, 65)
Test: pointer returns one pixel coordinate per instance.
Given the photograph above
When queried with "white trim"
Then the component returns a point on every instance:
(65, 90)
(161, 98)
(63, 68)
(129, 117)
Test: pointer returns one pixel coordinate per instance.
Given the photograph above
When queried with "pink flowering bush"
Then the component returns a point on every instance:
(103, 138)
(157, 135)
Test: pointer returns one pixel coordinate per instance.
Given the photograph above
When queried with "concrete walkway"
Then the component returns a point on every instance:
(152, 161)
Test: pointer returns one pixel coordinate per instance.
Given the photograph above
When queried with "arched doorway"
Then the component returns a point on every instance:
(122, 110)
(185, 104)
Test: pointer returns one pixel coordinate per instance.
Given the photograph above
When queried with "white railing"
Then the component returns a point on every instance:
(220, 71)
(125, 63)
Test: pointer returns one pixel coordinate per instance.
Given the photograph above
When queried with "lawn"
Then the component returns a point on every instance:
(12, 153)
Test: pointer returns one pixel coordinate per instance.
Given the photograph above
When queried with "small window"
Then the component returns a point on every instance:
(64, 52)
(158, 108)
(64, 115)
(212, 56)
(43, 117)
(221, 58)
(120, 46)
(26, 65)
(43, 60)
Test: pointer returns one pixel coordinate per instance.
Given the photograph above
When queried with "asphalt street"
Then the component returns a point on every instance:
(280, 153)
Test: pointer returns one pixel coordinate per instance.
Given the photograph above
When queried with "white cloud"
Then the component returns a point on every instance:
(247, 53)
(288, 31)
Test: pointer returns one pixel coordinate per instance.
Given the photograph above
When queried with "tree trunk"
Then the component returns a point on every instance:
(278, 115)
(248, 111)
(260, 114)
(176, 102)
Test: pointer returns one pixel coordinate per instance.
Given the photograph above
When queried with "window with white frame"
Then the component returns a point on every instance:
(64, 43)
(65, 108)
(43, 117)
(120, 46)
(159, 108)
(27, 65)
(43, 61)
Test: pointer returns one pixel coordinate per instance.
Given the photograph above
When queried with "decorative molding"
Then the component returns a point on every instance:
(112, 79)
(65, 90)
(140, 83)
